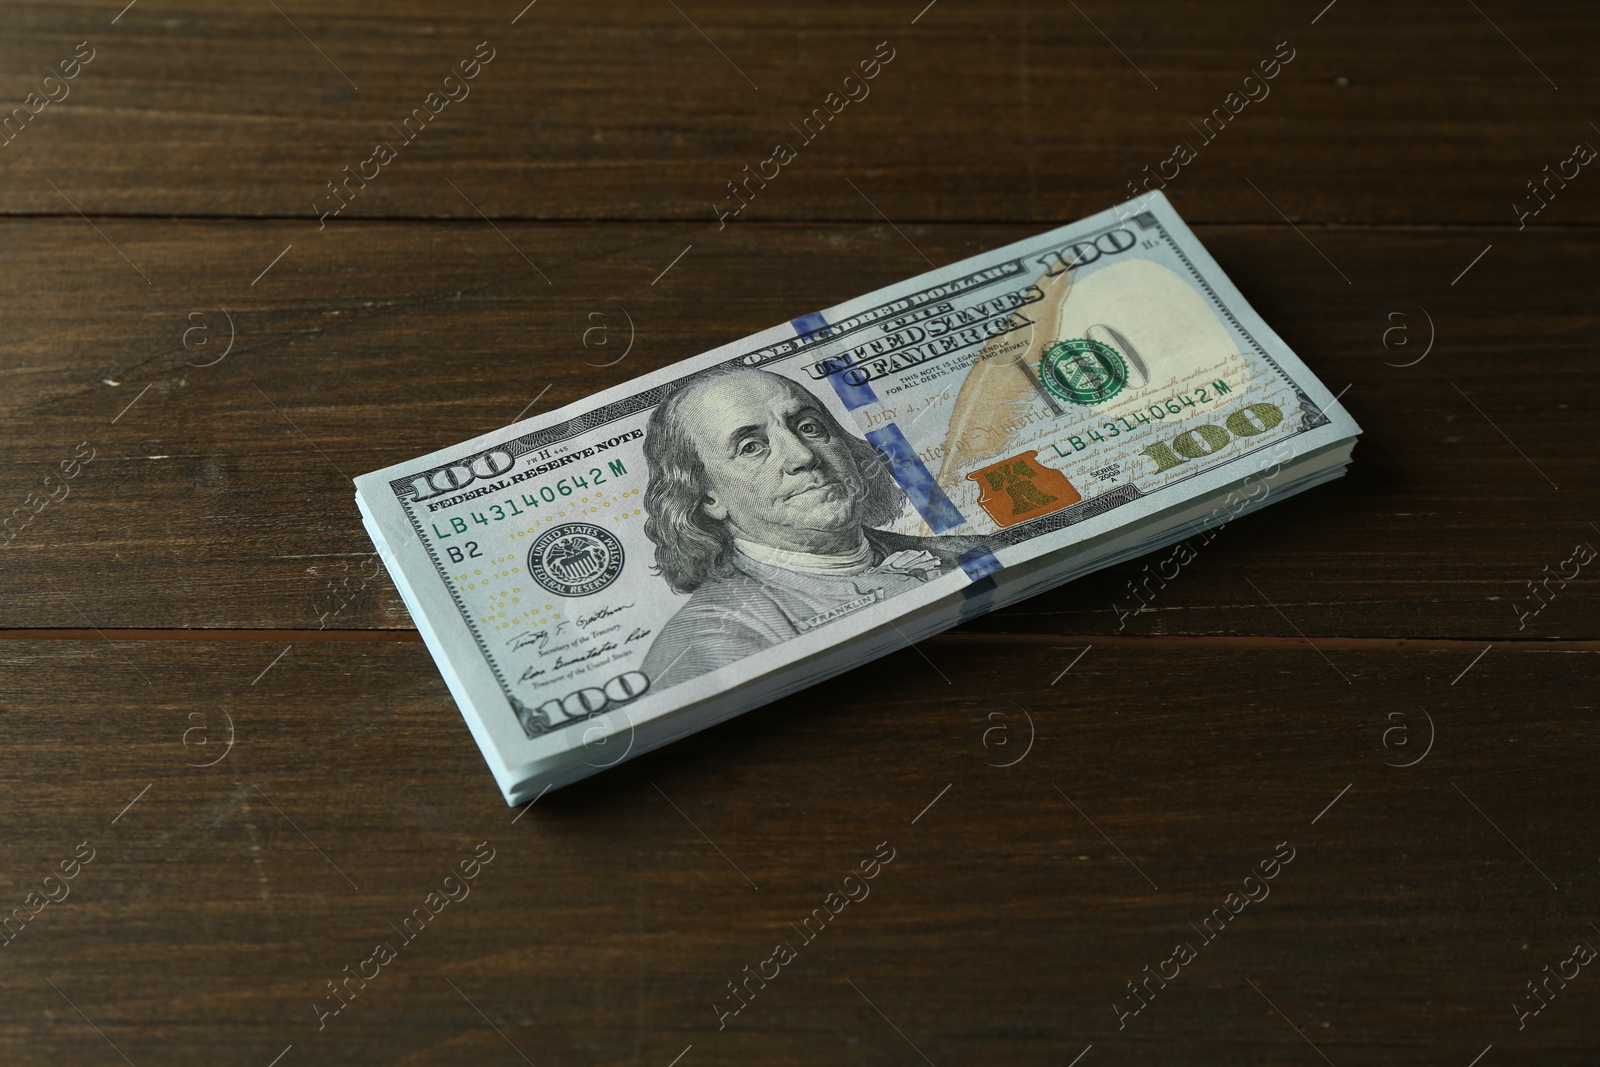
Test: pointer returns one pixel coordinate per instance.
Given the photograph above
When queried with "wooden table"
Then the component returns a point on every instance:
(220, 722)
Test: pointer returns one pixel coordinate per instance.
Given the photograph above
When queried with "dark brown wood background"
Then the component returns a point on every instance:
(203, 681)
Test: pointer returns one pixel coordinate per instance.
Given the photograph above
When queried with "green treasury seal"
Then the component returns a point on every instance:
(1083, 371)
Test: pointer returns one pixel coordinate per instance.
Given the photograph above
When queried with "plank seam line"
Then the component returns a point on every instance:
(1064, 641)
(463, 220)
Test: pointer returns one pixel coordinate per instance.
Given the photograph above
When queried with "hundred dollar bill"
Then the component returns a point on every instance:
(598, 580)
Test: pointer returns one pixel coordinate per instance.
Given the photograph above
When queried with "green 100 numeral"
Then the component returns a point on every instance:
(1204, 440)
(586, 702)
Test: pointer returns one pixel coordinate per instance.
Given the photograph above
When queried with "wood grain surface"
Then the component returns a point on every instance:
(208, 686)
(996, 112)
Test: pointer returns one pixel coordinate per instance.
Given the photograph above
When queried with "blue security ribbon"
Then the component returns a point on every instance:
(924, 493)
(913, 476)
(854, 396)
(979, 563)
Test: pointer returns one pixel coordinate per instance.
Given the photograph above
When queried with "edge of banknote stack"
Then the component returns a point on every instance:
(599, 580)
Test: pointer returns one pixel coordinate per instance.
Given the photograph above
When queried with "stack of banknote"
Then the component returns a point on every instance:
(601, 579)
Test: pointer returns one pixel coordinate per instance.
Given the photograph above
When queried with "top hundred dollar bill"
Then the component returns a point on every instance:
(679, 538)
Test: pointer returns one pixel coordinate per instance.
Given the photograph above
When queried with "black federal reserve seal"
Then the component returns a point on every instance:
(1083, 371)
(575, 559)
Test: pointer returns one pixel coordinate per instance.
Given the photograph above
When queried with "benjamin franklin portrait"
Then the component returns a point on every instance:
(763, 508)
